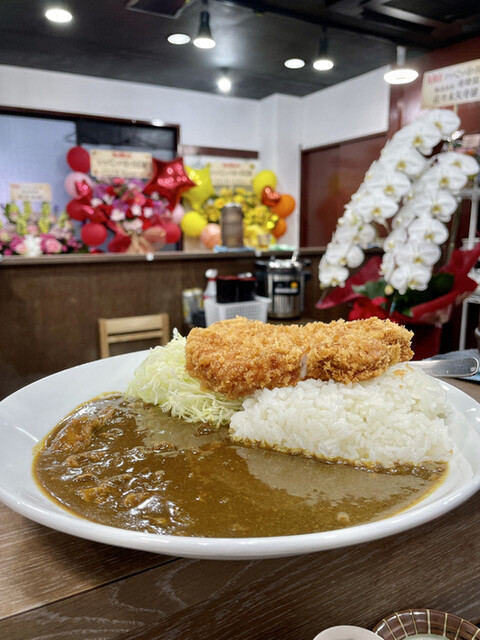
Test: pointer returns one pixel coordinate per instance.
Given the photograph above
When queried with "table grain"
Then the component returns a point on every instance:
(54, 586)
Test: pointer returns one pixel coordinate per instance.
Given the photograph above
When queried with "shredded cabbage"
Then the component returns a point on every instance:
(162, 379)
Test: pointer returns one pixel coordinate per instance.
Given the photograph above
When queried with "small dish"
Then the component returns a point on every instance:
(425, 623)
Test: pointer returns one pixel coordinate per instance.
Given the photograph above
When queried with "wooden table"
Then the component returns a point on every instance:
(54, 586)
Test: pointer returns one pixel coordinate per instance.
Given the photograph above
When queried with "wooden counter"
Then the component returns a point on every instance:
(57, 587)
(50, 305)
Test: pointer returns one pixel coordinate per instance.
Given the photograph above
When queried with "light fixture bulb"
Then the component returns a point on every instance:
(294, 63)
(323, 61)
(178, 38)
(400, 74)
(56, 14)
(204, 39)
(323, 64)
(224, 84)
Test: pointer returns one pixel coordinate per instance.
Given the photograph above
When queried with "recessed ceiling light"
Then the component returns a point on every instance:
(178, 38)
(61, 16)
(294, 63)
(224, 84)
(323, 64)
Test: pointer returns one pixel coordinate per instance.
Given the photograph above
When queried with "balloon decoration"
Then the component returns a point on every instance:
(178, 213)
(79, 209)
(270, 197)
(265, 178)
(156, 236)
(192, 224)
(203, 190)
(285, 206)
(78, 159)
(169, 180)
(279, 229)
(78, 185)
(94, 234)
(173, 232)
(211, 235)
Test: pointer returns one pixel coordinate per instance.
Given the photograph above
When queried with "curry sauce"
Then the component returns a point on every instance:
(123, 463)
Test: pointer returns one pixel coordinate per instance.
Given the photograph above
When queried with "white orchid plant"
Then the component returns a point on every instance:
(414, 196)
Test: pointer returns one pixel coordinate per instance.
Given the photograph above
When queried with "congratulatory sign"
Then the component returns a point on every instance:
(448, 86)
(120, 164)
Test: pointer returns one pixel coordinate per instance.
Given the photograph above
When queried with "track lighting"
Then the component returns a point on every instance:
(204, 38)
(400, 73)
(323, 61)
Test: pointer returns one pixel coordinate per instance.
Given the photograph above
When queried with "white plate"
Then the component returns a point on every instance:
(29, 414)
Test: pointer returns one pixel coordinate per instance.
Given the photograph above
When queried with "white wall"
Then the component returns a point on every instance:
(204, 119)
(278, 126)
(279, 149)
(353, 109)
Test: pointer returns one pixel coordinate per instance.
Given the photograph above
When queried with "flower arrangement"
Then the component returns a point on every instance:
(412, 197)
(26, 232)
(264, 210)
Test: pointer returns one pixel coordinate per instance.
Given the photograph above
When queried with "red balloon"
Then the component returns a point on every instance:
(119, 243)
(94, 233)
(169, 180)
(173, 232)
(78, 159)
(270, 197)
(79, 209)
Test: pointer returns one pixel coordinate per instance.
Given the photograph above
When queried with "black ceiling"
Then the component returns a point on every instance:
(106, 39)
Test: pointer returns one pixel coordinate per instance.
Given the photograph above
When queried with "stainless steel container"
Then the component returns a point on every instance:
(231, 224)
(283, 281)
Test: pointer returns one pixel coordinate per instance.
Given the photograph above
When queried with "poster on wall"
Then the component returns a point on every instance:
(30, 192)
(448, 86)
(120, 164)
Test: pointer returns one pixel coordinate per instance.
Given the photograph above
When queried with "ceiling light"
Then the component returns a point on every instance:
(400, 74)
(323, 61)
(204, 38)
(56, 14)
(178, 38)
(224, 84)
(294, 63)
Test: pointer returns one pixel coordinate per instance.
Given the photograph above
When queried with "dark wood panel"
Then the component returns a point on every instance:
(330, 175)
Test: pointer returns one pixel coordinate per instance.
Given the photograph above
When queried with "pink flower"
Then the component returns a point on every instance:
(51, 245)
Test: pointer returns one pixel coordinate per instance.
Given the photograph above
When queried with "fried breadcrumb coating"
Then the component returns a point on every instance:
(236, 357)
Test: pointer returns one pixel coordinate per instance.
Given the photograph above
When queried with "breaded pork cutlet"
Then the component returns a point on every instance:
(237, 357)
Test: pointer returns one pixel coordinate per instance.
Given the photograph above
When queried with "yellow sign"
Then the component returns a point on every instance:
(120, 164)
(448, 86)
(232, 174)
(30, 191)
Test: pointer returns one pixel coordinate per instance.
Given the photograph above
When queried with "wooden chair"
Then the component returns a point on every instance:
(131, 329)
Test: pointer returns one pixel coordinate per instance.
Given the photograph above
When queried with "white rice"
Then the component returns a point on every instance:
(399, 418)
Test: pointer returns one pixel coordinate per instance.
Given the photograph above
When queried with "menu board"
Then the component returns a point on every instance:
(452, 85)
(120, 164)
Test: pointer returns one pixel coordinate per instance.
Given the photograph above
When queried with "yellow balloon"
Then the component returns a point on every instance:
(203, 190)
(192, 224)
(265, 178)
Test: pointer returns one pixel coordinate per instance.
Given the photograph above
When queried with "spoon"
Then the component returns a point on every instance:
(448, 367)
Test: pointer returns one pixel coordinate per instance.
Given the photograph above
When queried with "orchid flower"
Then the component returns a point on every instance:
(429, 229)
(332, 275)
(419, 134)
(467, 165)
(417, 252)
(405, 159)
(393, 184)
(443, 176)
(439, 203)
(376, 207)
(445, 120)
(410, 276)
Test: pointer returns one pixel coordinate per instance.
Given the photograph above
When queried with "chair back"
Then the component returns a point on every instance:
(131, 329)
